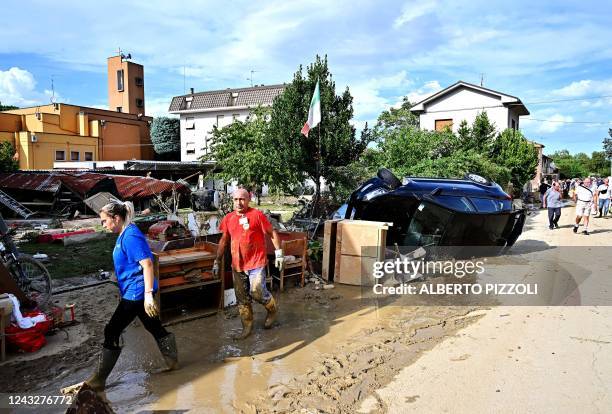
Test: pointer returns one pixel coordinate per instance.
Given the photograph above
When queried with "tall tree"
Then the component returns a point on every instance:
(511, 150)
(246, 152)
(166, 138)
(607, 144)
(483, 133)
(395, 118)
(338, 143)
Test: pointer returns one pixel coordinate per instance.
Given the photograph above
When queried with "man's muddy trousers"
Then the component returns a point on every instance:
(251, 285)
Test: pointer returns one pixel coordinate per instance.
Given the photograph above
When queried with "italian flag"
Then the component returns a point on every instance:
(314, 113)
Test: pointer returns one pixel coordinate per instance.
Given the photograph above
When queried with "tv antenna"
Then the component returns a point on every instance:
(124, 56)
(53, 100)
(251, 77)
(482, 79)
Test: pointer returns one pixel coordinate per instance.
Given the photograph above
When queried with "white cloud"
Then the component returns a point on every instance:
(414, 10)
(429, 88)
(574, 89)
(158, 107)
(585, 87)
(370, 99)
(16, 87)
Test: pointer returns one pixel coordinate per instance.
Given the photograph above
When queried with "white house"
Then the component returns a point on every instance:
(463, 100)
(200, 111)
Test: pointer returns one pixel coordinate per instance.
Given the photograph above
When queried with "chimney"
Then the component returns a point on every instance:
(191, 90)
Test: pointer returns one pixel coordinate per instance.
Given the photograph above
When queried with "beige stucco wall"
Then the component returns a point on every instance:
(41, 154)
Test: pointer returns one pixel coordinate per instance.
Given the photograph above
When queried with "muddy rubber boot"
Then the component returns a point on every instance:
(272, 311)
(246, 314)
(167, 347)
(106, 362)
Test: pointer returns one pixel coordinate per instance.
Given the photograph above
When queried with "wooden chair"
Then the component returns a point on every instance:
(297, 266)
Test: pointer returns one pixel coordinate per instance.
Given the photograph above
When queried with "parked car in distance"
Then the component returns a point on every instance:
(473, 211)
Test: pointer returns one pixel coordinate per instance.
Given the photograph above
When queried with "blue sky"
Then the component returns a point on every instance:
(554, 55)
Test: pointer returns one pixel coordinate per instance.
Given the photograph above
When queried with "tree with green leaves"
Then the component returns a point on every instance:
(607, 144)
(464, 133)
(247, 153)
(7, 107)
(512, 150)
(599, 164)
(8, 163)
(339, 146)
(483, 133)
(571, 166)
(166, 138)
(395, 118)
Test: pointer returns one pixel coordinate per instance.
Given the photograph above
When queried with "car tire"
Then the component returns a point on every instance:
(478, 179)
(389, 178)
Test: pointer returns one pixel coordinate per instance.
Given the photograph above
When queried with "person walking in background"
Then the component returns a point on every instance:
(543, 189)
(552, 201)
(584, 203)
(603, 197)
(566, 187)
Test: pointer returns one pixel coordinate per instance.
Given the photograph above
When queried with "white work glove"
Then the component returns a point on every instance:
(215, 268)
(279, 262)
(150, 305)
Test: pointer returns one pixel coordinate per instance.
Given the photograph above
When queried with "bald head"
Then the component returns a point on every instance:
(241, 193)
(241, 199)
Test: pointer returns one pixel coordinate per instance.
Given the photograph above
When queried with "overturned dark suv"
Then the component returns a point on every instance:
(438, 212)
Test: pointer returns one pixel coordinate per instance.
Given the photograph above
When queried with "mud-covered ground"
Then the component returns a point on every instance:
(331, 351)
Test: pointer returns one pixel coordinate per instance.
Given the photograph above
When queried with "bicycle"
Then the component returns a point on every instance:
(30, 275)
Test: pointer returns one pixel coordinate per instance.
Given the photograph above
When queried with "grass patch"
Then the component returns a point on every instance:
(76, 260)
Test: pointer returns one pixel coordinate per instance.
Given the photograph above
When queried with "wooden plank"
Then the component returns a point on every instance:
(355, 270)
(171, 281)
(185, 258)
(189, 285)
(358, 234)
(329, 249)
(338, 255)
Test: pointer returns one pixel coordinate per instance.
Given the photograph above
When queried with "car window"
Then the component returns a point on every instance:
(488, 205)
(456, 203)
(427, 225)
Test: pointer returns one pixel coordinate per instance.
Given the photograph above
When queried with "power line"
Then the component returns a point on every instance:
(570, 122)
(587, 98)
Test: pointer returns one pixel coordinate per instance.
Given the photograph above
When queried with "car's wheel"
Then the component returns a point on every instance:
(388, 178)
(478, 179)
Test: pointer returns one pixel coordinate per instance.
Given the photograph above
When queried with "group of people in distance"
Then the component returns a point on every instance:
(591, 195)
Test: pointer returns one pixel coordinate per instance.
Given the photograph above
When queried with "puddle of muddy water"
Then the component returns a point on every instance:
(218, 374)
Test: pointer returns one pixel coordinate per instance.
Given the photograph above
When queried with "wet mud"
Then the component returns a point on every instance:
(330, 350)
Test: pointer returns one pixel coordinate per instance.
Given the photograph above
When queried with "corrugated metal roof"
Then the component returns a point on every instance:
(256, 95)
(133, 188)
(84, 183)
(31, 181)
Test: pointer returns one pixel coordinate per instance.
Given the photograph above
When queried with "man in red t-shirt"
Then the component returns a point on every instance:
(247, 228)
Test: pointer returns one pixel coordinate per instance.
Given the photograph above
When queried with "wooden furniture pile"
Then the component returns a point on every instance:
(187, 287)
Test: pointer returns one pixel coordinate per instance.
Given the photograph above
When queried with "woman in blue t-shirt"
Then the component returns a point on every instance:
(134, 269)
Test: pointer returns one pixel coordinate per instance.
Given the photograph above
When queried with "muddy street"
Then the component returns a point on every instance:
(337, 351)
(349, 347)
